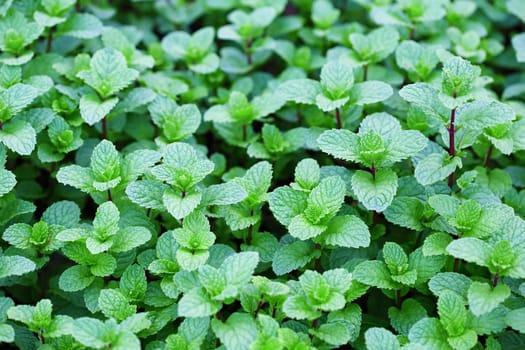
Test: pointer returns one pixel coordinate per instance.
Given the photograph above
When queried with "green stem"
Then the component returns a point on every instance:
(104, 128)
(244, 132)
(398, 298)
(250, 231)
(365, 72)
(249, 51)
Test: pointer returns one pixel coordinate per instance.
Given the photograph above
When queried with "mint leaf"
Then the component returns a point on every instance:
(483, 299)
(375, 192)
(238, 332)
(380, 338)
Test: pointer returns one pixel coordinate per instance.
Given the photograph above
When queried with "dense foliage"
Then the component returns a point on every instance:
(262, 174)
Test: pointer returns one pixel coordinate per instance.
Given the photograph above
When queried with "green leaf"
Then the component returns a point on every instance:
(15, 266)
(403, 319)
(482, 114)
(292, 256)
(458, 76)
(430, 333)
(133, 283)
(406, 212)
(333, 333)
(482, 298)
(76, 176)
(374, 273)
(380, 339)
(470, 249)
(435, 167)
(15, 99)
(7, 181)
(307, 173)
(336, 79)
(7, 333)
(178, 205)
(113, 304)
(237, 333)
(426, 98)
(452, 313)
(238, 268)
(347, 231)
(75, 278)
(341, 144)
(105, 164)
(375, 193)
(108, 72)
(223, 194)
(147, 193)
(18, 136)
(370, 92)
(130, 237)
(302, 91)
(197, 303)
(377, 45)
(81, 25)
(325, 200)
(89, 332)
(93, 109)
(516, 319)
(518, 43)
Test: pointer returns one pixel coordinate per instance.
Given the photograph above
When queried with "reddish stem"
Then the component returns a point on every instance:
(110, 198)
(495, 280)
(249, 50)
(451, 141)
(104, 129)
(338, 118)
(486, 162)
(250, 230)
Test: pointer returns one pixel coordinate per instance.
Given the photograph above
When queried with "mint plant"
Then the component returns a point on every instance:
(263, 175)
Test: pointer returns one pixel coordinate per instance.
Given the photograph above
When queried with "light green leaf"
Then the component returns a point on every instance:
(470, 249)
(114, 304)
(334, 333)
(237, 333)
(18, 136)
(130, 237)
(347, 231)
(406, 212)
(375, 193)
(81, 25)
(380, 339)
(76, 176)
(430, 333)
(302, 91)
(15, 266)
(341, 144)
(286, 203)
(482, 114)
(197, 303)
(435, 167)
(223, 194)
(75, 278)
(147, 193)
(482, 298)
(292, 256)
(7, 181)
(180, 206)
(516, 319)
(370, 92)
(518, 42)
(93, 110)
(238, 268)
(374, 273)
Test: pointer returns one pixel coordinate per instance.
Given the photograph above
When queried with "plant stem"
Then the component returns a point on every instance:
(250, 230)
(486, 162)
(244, 132)
(398, 298)
(249, 51)
(338, 118)
(456, 265)
(318, 260)
(49, 39)
(412, 33)
(451, 141)
(365, 72)
(109, 196)
(259, 307)
(495, 280)
(104, 129)
(373, 172)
